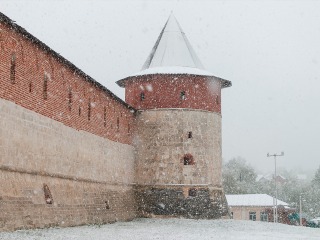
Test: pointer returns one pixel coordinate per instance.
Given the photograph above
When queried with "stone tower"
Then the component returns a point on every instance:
(178, 130)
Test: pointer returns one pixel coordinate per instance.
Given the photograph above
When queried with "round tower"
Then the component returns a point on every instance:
(178, 130)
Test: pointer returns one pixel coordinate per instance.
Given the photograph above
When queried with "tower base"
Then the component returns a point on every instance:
(174, 201)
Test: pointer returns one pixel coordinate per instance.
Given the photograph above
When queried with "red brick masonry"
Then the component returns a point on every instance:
(68, 93)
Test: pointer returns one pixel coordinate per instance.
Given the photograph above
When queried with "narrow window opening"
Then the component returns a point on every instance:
(217, 100)
(111, 126)
(1, 42)
(105, 117)
(79, 111)
(13, 68)
(182, 95)
(189, 134)
(142, 97)
(128, 127)
(45, 87)
(188, 159)
(118, 123)
(69, 98)
(107, 205)
(30, 86)
(192, 192)
(47, 194)
(89, 109)
(63, 80)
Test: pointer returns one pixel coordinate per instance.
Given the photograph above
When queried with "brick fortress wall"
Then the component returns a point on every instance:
(66, 151)
(40, 82)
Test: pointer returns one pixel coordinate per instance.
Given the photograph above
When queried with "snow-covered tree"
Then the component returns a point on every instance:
(316, 179)
(238, 177)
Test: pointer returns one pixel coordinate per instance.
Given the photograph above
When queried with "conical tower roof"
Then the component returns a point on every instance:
(172, 48)
(173, 54)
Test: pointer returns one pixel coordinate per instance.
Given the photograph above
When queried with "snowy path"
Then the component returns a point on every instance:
(171, 229)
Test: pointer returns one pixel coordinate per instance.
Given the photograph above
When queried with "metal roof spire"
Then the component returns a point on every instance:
(172, 48)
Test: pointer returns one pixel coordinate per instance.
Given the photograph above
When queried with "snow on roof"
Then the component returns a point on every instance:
(174, 70)
(252, 200)
(172, 48)
(173, 54)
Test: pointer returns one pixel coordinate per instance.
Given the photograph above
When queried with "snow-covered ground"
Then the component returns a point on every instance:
(171, 229)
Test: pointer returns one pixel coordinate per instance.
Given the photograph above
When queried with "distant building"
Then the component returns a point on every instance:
(270, 177)
(256, 207)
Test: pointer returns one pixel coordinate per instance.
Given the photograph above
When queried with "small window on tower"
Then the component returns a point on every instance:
(192, 192)
(142, 96)
(217, 100)
(189, 134)
(182, 95)
(188, 159)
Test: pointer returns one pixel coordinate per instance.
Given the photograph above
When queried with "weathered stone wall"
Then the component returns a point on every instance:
(163, 180)
(83, 172)
(162, 141)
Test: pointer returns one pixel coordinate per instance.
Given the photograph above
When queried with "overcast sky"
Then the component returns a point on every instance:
(268, 49)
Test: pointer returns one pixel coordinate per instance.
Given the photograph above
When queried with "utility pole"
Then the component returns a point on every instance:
(300, 213)
(275, 182)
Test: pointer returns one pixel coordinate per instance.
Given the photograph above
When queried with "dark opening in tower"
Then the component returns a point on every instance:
(188, 159)
(182, 95)
(192, 192)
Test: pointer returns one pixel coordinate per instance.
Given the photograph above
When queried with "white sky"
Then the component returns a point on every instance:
(268, 49)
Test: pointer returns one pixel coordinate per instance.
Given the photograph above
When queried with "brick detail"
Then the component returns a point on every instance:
(42, 83)
(165, 91)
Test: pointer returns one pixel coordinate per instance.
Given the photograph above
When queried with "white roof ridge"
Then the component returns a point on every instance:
(252, 200)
